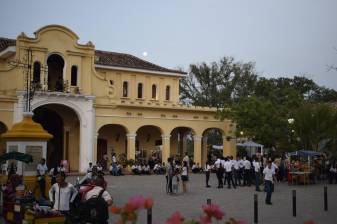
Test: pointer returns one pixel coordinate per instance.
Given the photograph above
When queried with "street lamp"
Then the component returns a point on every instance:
(292, 131)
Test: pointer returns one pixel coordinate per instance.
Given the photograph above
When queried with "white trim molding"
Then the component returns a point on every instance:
(139, 70)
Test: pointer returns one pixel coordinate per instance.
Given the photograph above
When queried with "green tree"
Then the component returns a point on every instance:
(315, 126)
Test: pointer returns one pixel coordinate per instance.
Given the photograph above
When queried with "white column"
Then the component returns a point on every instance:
(131, 146)
(197, 148)
(204, 150)
(94, 157)
(166, 152)
(19, 107)
(88, 128)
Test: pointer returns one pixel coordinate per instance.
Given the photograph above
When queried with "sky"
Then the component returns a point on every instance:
(283, 37)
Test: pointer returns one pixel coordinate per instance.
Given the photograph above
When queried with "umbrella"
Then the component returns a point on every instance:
(16, 156)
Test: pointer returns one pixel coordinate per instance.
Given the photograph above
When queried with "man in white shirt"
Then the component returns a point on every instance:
(228, 169)
(246, 174)
(41, 172)
(269, 174)
(61, 194)
(219, 171)
(257, 166)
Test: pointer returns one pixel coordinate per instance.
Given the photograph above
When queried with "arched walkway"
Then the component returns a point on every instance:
(111, 139)
(181, 142)
(148, 142)
(3, 129)
(210, 137)
(63, 123)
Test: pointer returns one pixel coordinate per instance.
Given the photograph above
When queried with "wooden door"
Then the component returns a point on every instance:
(102, 146)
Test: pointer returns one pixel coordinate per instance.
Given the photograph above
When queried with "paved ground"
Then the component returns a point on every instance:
(236, 203)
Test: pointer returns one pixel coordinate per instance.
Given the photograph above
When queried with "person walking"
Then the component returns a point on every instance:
(41, 172)
(184, 176)
(219, 171)
(207, 172)
(169, 175)
(257, 166)
(246, 174)
(269, 176)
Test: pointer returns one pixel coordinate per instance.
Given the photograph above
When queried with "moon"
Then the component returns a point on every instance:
(144, 53)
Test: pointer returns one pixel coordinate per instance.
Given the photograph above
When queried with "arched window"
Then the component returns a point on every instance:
(154, 91)
(140, 90)
(73, 76)
(36, 72)
(125, 89)
(167, 95)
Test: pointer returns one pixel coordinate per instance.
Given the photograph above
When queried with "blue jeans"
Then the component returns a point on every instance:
(268, 190)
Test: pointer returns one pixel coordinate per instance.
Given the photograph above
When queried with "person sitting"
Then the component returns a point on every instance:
(156, 168)
(89, 168)
(163, 169)
(99, 168)
(111, 169)
(119, 169)
(195, 168)
(140, 169)
(62, 168)
(134, 169)
(147, 169)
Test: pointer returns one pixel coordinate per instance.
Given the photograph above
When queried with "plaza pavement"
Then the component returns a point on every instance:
(237, 203)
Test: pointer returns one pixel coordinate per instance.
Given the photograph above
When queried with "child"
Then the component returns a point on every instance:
(175, 182)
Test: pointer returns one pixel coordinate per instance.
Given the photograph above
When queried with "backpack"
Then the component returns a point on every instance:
(95, 210)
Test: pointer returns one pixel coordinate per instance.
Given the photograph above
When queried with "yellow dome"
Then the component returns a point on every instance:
(27, 129)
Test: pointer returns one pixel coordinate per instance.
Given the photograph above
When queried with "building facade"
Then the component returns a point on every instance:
(96, 102)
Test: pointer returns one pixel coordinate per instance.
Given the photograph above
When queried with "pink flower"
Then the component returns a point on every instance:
(176, 218)
(309, 222)
(137, 202)
(115, 210)
(205, 220)
(213, 211)
(148, 203)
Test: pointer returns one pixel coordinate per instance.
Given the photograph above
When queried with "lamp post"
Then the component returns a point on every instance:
(292, 131)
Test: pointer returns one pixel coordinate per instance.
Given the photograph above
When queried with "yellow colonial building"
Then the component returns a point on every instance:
(96, 102)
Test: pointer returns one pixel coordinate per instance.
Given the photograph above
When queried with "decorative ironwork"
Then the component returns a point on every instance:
(30, 86)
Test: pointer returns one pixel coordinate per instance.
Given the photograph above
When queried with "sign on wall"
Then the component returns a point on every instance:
(36, 153)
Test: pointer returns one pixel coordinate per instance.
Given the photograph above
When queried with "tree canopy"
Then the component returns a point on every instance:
(262, 106)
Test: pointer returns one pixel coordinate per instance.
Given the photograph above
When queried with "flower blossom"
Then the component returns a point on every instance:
(213, 210)
(176, 218)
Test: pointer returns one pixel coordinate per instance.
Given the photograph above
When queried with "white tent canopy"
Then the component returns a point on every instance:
(248, 144)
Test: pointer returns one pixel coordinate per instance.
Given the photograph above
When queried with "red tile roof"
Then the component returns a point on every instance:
(5, 42)
(110, 59)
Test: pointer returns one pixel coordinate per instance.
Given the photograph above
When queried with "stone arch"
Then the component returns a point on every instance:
(212, 136)
(79, 112)
(56, 71)
(181, 141)
(112, 138)
(3, 129)
(148, 141)
(63, 123)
